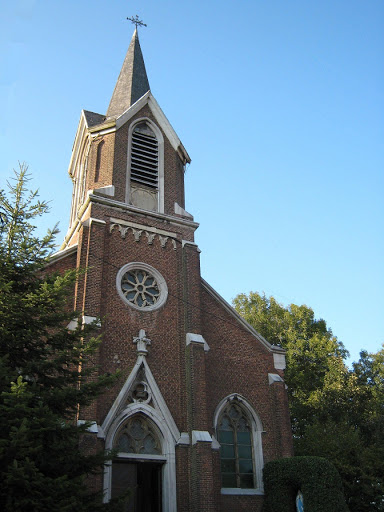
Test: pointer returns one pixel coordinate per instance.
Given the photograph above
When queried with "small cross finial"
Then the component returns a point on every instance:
(137, 22)
(141, 342)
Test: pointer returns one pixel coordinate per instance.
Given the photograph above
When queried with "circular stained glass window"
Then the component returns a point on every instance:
(141, 286)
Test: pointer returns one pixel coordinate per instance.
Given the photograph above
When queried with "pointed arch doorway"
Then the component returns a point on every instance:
(142, 466)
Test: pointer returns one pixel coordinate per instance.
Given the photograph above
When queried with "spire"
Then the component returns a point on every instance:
(132, 83)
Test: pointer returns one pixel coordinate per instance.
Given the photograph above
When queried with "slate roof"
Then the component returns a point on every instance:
(132, 83)
(93, 119)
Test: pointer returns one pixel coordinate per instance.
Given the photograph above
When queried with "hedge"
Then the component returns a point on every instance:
(316, 478)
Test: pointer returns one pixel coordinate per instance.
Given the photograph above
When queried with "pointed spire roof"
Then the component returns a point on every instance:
(132, 83)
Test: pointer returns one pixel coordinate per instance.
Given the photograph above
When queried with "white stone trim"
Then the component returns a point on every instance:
(279, 361)
(92, 220)
(184, 439)
(215, 444)
(151, 229)
(192, 244)
(89, 319)
(85, 319)
(59, 255)
(148, 99)
(201, 436)
(100, 432)
(274, 377)
(100, 130)
(163, 288)
(180, 211)
(93, 428)
(132, 110)
(106, 201)
(72, 324)
(78, 143)
(244, 492)
(108, 190)
(177, 221)
(158, 399)
(77, 223)
(257, 431)
(196, 338)
(142, 457)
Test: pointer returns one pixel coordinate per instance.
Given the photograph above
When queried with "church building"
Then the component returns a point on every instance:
(201, 405)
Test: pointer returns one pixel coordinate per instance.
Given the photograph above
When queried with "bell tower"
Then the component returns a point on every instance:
(131, 155)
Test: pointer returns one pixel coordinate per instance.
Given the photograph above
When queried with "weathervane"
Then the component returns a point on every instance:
(137, 22)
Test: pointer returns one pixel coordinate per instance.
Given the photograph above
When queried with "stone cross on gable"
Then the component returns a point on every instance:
(141, 343)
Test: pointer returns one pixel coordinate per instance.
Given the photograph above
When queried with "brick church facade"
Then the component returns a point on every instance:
(201, 405)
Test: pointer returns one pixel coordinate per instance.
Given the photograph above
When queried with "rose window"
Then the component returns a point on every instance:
(141, 286)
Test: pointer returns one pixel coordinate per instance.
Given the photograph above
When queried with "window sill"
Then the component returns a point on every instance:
(244, 492)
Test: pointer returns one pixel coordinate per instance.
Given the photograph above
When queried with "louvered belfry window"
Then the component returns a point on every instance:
(144, 156)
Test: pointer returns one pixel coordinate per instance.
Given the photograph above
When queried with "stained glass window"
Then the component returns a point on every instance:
(137, 435)
(140, 288)
(236, 452)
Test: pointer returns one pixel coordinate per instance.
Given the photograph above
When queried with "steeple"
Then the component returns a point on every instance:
(132, 83)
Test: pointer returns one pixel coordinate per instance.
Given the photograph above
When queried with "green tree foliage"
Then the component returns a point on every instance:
(41, 387)
(336, 413)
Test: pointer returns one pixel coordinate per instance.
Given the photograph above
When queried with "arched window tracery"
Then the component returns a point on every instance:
(238, 431)
(138, 436)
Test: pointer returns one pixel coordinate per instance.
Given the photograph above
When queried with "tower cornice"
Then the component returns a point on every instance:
(93, 198)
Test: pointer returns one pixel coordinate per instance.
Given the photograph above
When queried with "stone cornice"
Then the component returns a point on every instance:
(93, 198)
(59, 255)
(139, 229)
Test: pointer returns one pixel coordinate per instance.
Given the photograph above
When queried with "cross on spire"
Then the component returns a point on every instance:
(137, 22)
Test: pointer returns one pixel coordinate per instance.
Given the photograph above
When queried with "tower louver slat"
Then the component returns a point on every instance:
(144, 156)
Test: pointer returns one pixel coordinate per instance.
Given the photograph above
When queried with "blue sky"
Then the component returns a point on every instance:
(280, 105)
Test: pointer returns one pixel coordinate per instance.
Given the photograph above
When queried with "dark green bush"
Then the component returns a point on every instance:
(316, 478)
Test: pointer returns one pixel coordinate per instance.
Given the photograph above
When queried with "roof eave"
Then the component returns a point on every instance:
(148, 99)
(271, 348)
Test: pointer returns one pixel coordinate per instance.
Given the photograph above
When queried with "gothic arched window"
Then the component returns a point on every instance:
(138, 436)
(239, 435)
(98, 160)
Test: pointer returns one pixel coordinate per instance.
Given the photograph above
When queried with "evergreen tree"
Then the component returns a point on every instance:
(42, 387)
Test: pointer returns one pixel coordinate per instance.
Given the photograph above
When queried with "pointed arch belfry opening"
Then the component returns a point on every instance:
(145, 166)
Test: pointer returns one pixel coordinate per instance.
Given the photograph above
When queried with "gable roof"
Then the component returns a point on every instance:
(213, 293)
(92, 118)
